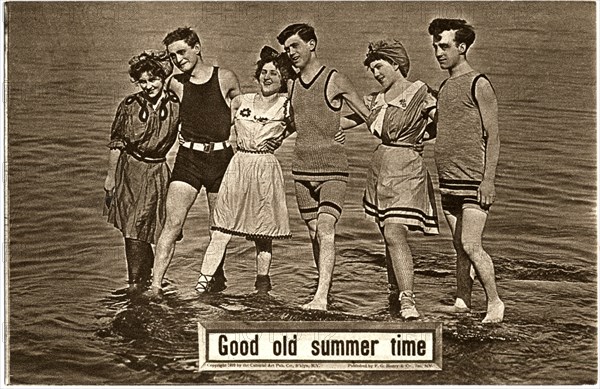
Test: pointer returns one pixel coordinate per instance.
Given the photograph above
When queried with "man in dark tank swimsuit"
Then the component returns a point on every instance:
(204, 153)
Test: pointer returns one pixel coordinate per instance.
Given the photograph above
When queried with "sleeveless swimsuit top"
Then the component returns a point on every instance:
(205, 116)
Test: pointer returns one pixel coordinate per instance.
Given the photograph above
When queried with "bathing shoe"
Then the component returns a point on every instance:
(407, 305)
(218, 284)
(205, 283)
(263, 284)
(219, 281)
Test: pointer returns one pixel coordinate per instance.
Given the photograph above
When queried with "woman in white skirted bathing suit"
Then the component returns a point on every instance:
(251, 200)
(399, 192)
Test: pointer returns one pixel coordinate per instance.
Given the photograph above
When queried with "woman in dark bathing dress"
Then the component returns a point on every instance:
(143, 131)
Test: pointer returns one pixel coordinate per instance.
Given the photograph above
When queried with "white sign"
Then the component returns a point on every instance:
(319, 346)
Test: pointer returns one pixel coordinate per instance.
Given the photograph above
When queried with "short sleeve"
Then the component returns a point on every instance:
(430, 100)
(118, 129)
(368, 99)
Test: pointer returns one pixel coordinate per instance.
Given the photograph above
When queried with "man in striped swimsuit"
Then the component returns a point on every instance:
(320, 167)
(466, 154)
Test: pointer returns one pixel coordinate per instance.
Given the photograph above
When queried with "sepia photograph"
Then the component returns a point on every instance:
(300, 193)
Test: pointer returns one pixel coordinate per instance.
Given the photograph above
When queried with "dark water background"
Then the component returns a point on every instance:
(70, 323)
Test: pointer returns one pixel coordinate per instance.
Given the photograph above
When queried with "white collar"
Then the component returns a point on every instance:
(402, 100)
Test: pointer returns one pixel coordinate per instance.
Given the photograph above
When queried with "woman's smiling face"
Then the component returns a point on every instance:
(269, 79)
(151, 85)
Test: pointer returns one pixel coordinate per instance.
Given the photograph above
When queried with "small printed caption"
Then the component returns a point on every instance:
(319, 346)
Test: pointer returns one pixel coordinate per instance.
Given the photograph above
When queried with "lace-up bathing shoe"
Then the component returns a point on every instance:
(205, 283)
(408, 309)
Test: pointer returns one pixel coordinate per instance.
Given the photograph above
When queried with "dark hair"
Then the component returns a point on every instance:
(182, 34)
(153, 67)
(464, 31)
(304, 31)
(281, 61)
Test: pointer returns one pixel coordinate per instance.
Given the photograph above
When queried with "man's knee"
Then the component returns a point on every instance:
(472, 248)
(174, 222)
(312, 227)
(326, 227)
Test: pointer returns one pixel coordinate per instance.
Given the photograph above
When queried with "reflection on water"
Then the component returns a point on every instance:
(69, 316)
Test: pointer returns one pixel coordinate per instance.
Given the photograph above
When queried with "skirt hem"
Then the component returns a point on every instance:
(251, 236)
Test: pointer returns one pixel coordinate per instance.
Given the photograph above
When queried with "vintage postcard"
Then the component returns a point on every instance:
(300, 193)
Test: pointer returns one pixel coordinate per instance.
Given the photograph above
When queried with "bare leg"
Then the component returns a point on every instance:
(472, 231)
(326, 254)
(180, 198)
(219, 274)
(312, 232)
(464, 274)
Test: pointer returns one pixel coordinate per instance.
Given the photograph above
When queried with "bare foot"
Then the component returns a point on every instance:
(460, 306)
(451, 309)
(495, 312)
(316, 305)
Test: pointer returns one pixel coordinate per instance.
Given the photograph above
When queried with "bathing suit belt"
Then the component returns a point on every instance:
(254, 151)
(132, 150)
(204, 147)
(407, 145)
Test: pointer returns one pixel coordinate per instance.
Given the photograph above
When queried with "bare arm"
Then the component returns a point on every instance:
(488, 107)
(350, 121)
(176, 87)
(230, 85)
(273, 144)
(235, 105)
(341, 87)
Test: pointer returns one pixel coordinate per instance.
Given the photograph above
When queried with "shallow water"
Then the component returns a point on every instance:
(71, 323)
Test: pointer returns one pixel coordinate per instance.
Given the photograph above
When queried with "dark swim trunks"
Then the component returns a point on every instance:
(456, 204)
(199, 169)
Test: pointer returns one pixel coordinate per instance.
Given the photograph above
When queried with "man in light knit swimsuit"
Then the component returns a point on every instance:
(320, 167)
(466, 154)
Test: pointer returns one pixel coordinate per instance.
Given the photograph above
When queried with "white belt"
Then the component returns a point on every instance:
(204, 147)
